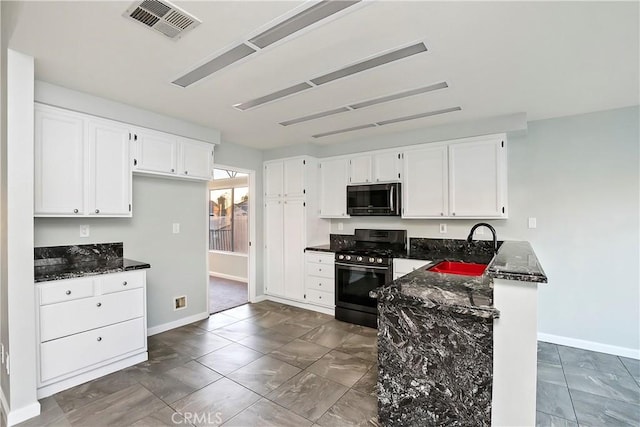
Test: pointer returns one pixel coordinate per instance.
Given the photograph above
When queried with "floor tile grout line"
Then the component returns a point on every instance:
(637, 381)
(573, 406)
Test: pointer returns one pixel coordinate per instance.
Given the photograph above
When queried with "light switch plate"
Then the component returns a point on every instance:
(84, 230)
(340, 226)
(176, 228)
(532, 223)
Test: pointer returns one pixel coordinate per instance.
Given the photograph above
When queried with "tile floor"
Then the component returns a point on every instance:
(269, 364)
(225, 294)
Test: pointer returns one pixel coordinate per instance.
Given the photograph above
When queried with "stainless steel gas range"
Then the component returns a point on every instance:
(362, 268)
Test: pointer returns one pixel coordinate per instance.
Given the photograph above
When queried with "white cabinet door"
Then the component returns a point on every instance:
(294, 244)
(59, 163)
(334, 177)
(294, 178)
(360, 170)
(476, 178)
(274, 179)
(196, 159)
(109, 178)
(424, 192)
(386, 167)
(156, 152)
(274, 255)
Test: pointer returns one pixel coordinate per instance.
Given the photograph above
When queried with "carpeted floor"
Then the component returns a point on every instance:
(225, 294)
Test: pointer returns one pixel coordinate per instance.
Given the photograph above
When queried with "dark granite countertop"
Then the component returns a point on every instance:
(320, 248)
(517, 261)
(462, 294)
(67, 262)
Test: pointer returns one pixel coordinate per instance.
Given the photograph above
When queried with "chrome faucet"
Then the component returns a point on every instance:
(493, 231)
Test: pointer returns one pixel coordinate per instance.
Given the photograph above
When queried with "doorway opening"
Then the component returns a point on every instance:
(230, 226)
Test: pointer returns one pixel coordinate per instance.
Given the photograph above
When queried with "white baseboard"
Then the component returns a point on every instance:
(19, 415)
(590, 345)
(227, 276)
(177, 323)
(259, 298)
(311, 307)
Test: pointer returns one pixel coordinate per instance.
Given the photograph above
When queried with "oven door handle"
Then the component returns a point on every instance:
(361, 266)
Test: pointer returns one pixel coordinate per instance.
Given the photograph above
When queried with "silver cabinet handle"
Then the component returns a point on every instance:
(75, 211)
(68, 292)
(99, 339)
(124, 283)
(97, 210)
(99, 304)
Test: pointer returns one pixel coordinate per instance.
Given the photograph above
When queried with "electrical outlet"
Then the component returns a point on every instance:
(84, 230)
(6, 366)
(179, 303)
(479, 230)
(443, 228)
(533, 223)
(340, 226)
(2, 353)
(176, 228)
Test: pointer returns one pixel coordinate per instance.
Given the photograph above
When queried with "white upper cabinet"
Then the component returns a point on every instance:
(459, 179)
(274, 179)
(477, 178)
(82, 165)
(360, 170)
(373, 168)
(334, 177)
(285, 178)
(155, 152)
(425, 191)
(294, 178)
(196, 159)
(387, 167)
(59, 162)
(160, 153)
(110, 168)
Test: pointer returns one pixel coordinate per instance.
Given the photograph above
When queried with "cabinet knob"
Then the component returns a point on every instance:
(454, 214)
(68, 292)
(97, 210)
(377, 179)
(75, 211)
(124, 283)
(319, 269)
(319, 297)
(441, 213)
(186, 172)
(99, 339)
(319, 284)
(99, 304)
(173, 170)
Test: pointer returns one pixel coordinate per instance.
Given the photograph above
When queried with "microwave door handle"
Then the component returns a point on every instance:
(391, 198)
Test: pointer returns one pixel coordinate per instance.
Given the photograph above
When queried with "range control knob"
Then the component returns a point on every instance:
(372, 260)
(379, 260)
(340, 256)
(359, 258)
(348, 258)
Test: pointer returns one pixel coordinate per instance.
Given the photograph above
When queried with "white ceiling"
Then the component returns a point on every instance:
(546, 59)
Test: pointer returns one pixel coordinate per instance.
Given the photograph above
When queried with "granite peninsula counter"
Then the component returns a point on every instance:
(460, 350)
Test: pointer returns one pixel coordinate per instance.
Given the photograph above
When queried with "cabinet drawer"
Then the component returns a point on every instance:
(66, 290)
(321, 257)
(320, 283)
(75, 352)
(66, 318)
(320, 298)
(320, 270)
(122, 281)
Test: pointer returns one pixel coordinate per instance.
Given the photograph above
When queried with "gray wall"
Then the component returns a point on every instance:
(178, 261)
(579, 176)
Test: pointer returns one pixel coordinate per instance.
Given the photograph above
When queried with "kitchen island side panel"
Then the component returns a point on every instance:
(435, 366)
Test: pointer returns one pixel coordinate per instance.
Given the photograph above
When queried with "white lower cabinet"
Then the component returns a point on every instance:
(89, 327)
(402, 266)
(320, 278)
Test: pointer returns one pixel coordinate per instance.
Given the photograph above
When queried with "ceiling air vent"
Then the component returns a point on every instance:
(162, 17)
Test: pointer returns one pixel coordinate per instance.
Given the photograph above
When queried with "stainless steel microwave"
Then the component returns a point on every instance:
(374, 199)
